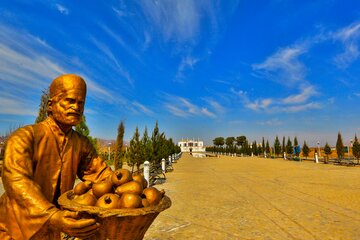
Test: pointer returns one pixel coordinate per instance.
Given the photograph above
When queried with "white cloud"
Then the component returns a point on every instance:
(271, 122)
(187, 62)
(349, 36)
(303, 96)
(290, 104)
(284, 66)
(176, 20)
(15, 106)
(182, 107)
(28, 64)
(104, 48)
(62, 9)
(206, 112)
(140, 107)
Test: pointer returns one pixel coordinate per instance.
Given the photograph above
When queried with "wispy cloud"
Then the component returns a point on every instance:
(27, 64)
(303, 96)
(349, 36)
(140, 107)
(293, 103)
(182, 107)
(187, 62)
(16, 106)
(119, 40)
(271, 122)
(106, 50)
(176, 20)
(284, 66)
(62, 9)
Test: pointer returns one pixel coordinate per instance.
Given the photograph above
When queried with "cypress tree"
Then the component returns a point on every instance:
(289, 147)
(277, 147)
(83, 129)
(356, 148)
(305, 150)
(134, 154)
(120, 151)
(42, 114)
(339, 147)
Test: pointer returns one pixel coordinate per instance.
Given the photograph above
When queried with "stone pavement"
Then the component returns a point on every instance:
(257, 198)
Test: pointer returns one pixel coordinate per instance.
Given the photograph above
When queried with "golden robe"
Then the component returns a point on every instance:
(40, 164)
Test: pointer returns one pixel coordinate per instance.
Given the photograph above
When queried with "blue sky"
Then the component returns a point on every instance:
(203, 69)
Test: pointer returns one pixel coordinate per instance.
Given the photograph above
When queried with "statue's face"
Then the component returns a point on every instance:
(68, 108)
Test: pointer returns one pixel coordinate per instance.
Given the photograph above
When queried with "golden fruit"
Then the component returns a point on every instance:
(140, 178)
(101, 188)
(86, 199)
(152, 195)
(82, 187)
(121, 176)
(130, 200)
(109, 201)
(129, 187)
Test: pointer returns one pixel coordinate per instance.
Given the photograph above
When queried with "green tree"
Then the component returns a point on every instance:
(219, 141)
(327, 151)
(229, 141)
(339, 147)
(305, 150)
(240, 140)
(267, 147)
(289, 147)
(42, 114)
(277, 147)
(155, 144)
(119, 148)
(134, 153)
(356, 149)
(254, 148)
(83, 129)
(263, 148)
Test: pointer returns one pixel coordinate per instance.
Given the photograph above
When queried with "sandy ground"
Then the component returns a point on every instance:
(257, 198)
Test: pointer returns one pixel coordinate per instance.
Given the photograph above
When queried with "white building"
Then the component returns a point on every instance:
(191, 146)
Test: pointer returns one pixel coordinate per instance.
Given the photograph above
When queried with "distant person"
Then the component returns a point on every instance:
(41, 162)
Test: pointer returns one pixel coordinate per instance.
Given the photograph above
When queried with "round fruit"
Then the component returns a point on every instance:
(101, 188)
(121, 176)
(130, 200)
(140, 178)
(85, 199)
(129, 187)
(152, 195)
(109, 201)
(82, 187)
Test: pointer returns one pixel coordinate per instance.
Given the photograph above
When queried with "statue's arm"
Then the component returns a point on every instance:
(30, 206)
(92, 167)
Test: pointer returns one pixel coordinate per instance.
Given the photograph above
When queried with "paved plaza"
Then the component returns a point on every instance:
(257, 198)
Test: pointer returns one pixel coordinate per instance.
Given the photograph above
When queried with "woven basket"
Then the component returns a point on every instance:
(117, 224)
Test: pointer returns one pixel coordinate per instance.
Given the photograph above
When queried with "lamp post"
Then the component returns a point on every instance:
(318, 144)
(109, 151)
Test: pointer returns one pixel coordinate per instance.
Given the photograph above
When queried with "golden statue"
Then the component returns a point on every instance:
(41, 162)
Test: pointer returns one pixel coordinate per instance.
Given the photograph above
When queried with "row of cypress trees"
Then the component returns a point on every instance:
(241, 145)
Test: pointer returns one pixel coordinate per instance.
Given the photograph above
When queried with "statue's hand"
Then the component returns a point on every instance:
(70, 223)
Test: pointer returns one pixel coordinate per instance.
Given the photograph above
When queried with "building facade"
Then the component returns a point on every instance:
(191, 146)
